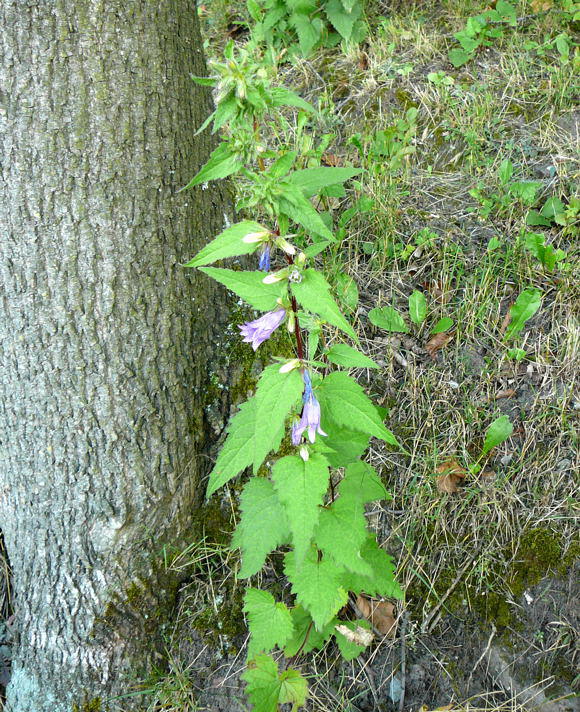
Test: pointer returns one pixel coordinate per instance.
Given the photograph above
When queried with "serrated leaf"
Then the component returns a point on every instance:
(382, 581)
(309, 32)
(526, 305)
(263, 526)
(275, 395)
(229, 243)
(269, 622)
(341, 445)
(300, 209)
(444, 324)
(303, 626)
(345, 402)
(361, 481)
(349, 649)
(301, 487)
(341, 532)
(344, 355)
(499, 431)
(388, 319)
(417, 307)
(312, 180)
(284, 97)
(313, 293)
(236, 452)
(293, 689)
(263, 686)
(221, 164)
(316, 585)
(342, 20)
(249, 286)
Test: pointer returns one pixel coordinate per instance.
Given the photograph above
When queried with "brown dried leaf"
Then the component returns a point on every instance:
(358, 636)
(379, 614)
(331, 159)
(507, 393)
(438, 341)
(541, 5)
(363, 61)
(450, 475)
(506, 321)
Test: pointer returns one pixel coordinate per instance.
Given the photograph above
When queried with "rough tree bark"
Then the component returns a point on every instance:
(104, 339)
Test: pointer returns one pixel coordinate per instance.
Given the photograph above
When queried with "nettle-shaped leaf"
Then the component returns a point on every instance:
(312, 500)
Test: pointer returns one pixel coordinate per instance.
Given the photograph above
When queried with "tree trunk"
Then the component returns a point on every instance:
(105, 340)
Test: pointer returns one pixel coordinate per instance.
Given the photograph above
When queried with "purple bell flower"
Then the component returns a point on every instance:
(257, 331)
(264, 263)
(310, 419)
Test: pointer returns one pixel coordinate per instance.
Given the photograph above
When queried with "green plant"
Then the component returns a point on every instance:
(482, 30)
(535, 242)
(500, 202)
(306, 24)
(389, 319)
(310, 502)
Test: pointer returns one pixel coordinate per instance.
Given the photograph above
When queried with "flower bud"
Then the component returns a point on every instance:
(256, 236)
(291, 323)
(285, 246)
(276, 277)
(290, 365)
(304, 454)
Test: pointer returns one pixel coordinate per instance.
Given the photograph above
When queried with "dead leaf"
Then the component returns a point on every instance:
(437, 342)
(358, 636)
(436, 290)
(506, 321)
(379, 614)
(363, 61)
(446, 708)
(450, 475)
(541, 5)
(487, 475)
(331, 159)
(507, 393)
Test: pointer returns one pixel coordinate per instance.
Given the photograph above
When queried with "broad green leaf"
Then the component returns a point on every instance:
(417, 307)
(301, 487)
(313, 293)
(348, 5)
(221, 163)
(342, 20)
(263, 686)
(389, 319)
(534, 218)
(300, 209)
(249, 286)
(459, 57)
(229, 243)
(506, 170)
(275, 395)
(309, 32)
(342, 445)
(341, 532)
(348, 649)
(282, 165)
(344, 355)
(382, 581)
(284, 97)
(499, 431)
(526, 305)
(263, 526)
(525, 190)
(312, 180)
(303, 625)
(269, 622)
(293, 689)
(507, 12)
(444, 324)
(361, 481)
(225, 111)
(516, 353)
(316, 585)
(552, 207)
(237, 451)
(345, 402)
